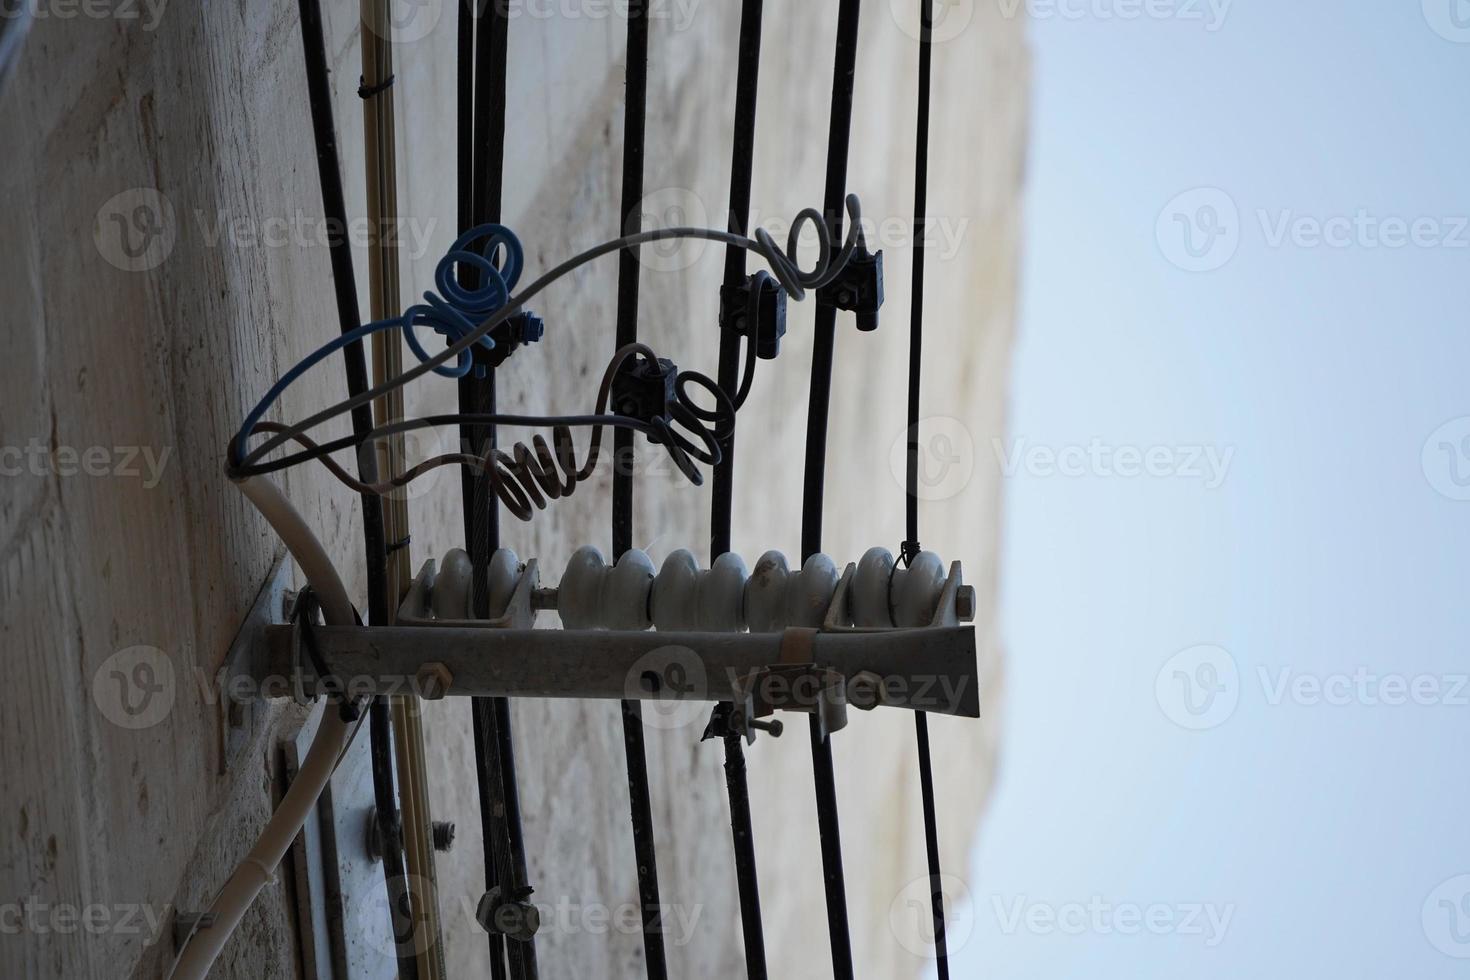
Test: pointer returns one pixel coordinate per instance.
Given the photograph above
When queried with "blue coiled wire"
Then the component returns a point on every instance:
(454, 311)
(459, 309)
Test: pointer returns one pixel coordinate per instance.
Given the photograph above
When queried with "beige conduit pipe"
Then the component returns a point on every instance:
(256, 870)
(380, 146)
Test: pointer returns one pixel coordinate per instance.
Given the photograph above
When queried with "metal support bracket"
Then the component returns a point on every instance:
(930, 669)
(238, 683)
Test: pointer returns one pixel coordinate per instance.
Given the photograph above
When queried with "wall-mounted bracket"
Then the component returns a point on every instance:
(929, 669)
(237, 691)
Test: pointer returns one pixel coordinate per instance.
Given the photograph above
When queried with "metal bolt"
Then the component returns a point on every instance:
(964, 603)
(443, 835)
(433, 681)
(773, 726)
(543, 598)
(742, 723)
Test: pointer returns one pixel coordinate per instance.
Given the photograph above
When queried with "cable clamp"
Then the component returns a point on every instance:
(858, 288)
(365, 91)
(522, 327)
(644, 388)
(304, 615)
(755, 307)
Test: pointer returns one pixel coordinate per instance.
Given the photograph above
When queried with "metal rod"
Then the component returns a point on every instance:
(844, 69)
(640, 805)
(911, 476)
(468, 19)
(737, 786)
(484, 57)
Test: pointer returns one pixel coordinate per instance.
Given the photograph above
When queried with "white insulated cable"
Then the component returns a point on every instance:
(203, 946)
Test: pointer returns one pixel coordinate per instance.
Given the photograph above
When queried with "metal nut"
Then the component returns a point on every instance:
(964, 603)
(433, 681)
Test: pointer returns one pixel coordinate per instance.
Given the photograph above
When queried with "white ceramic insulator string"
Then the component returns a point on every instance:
(681, 596)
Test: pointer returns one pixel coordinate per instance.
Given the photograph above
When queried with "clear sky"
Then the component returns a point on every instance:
(1234, 561)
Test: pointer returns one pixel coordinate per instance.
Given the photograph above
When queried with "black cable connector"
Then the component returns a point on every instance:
(859, 287)
(509, 335)
(644, 389)
(759, 296)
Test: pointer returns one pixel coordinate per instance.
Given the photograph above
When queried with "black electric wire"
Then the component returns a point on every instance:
(319, 98)
(486, 774)
(722, 499)
(911, 470)
(483, 53)
(843, 72)
(634, 113)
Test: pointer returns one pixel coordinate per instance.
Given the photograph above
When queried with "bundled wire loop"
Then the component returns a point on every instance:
(530, 474)
(450, 312)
